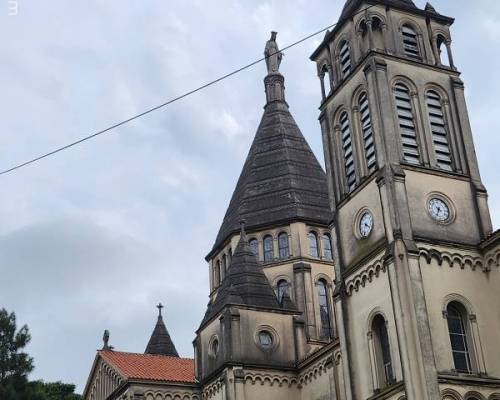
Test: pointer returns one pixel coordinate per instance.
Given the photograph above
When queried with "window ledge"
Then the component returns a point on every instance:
(474, 379)
(388, 391)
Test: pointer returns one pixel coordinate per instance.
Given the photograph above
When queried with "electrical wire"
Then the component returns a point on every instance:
(155, 108)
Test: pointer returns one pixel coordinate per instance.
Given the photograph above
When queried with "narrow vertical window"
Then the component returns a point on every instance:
(224, 264)
(254, 247)
(439, 131)
(345, 59)
(229, 257)
(382, 351)
(283, 288)
(347, 146)
(324, 311)
(313, 245)
(407, 128)
(456, 316)
(268, 249)
(368, 140)
(217, 274)
(410, 42)
(283, 245)
(327, 247)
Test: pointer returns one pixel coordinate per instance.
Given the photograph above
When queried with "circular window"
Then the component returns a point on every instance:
(214, 347)
(265, 340)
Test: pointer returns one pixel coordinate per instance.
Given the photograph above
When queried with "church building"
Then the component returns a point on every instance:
(378, 279)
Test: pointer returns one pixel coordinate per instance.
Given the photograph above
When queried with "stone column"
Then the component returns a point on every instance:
(450, 54)
(300, 338)
(478, 348)
(322, 82)
(435, 50)
(370, 33)
(385, 38)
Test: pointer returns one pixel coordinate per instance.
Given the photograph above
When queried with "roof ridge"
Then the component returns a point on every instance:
(144, 354)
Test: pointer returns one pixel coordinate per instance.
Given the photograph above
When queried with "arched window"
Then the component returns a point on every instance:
(366, 126)
(224, 264)
(457, 327)
(365, 42)
(283, 288)
(283, 245)
(313, 245)
(382, 351)
(327, 247)
(345, 59)
(254, 247)
(407, 128)
(324, 310)
(378, 34)
(410, 42)
(439, 131)
(348, 148)
(217, 274)
(268, 248)
(443, 51)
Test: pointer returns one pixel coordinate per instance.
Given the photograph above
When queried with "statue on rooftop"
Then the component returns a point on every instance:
(273, 54)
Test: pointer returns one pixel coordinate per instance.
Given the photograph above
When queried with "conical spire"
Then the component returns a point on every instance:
(160, 342)
(281, 181)
(245, 284)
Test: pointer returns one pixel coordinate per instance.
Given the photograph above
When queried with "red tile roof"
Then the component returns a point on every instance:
(151, 367)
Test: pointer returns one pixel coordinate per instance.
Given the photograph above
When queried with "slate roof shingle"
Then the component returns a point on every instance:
(281, 181)
(246, 284)
(160, 342)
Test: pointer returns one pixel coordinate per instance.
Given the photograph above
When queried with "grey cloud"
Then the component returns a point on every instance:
(94, 237)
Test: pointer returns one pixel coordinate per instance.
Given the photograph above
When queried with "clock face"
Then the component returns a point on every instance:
(439, 210)
(366, 224)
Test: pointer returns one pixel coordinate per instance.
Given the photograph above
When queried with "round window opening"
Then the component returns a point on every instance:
(215, 347)
(265, 340)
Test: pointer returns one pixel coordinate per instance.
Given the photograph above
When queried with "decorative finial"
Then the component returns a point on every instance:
(273, 55)
(159, 307)
(105, 339)
(430, 8)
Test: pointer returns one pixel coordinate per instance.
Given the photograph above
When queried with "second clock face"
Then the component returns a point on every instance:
(366, 224)
(439, 210)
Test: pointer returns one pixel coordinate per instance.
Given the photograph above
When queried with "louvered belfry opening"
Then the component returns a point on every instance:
(345, 59)
(347, 146)
(368, 140)
(439, 131)
(410, 42)
(411, 153)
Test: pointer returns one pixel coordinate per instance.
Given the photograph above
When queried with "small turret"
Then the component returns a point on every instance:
(160, 342)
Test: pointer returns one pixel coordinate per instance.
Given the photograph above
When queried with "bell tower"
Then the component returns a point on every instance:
(411, 217)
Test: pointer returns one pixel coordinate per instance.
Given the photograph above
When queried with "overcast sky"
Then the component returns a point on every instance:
(94, 237)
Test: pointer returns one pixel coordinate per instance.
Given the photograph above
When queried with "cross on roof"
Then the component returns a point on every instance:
(159, 307)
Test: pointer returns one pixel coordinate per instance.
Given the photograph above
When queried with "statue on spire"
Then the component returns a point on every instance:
(273, 55)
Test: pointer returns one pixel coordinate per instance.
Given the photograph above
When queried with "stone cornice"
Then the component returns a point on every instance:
(365, 275)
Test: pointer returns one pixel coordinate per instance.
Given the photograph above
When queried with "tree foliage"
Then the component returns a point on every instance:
(16, 365)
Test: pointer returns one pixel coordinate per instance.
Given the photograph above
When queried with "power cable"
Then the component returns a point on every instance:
(150, 110)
